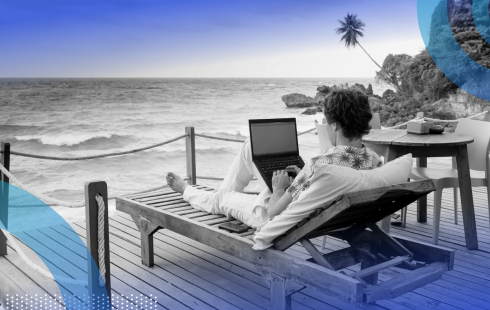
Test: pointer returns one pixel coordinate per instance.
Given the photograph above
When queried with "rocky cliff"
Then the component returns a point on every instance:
(460, 15)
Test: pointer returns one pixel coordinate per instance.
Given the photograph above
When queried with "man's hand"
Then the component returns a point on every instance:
(281, 180)
(293, 168)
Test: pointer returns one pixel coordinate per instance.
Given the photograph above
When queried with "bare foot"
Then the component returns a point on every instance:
(176, 183)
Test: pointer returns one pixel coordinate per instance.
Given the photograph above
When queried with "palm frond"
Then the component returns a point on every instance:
(351, 28)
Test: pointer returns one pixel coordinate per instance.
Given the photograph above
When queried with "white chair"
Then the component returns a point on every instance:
(375, 121)
(479, 162)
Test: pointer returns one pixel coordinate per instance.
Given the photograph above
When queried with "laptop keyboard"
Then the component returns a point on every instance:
(277, 164)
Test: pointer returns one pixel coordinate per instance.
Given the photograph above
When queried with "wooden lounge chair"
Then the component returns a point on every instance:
(346, 218)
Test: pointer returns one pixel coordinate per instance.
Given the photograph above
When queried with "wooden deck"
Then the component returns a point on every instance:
(189, 275)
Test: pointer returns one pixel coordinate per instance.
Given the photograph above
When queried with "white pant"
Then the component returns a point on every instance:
(230, 200)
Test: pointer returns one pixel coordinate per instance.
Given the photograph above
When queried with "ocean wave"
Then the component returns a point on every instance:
(67, 139)
(236, 133)
(12, 129)
(214, 151)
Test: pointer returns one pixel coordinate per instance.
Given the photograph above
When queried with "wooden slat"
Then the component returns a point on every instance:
(247, 233)
(403, 284)
(209, 217)
(163, 193)
(197, 214)
(192, 210)
(377, 268)
(156, 193)
(173, 206)
(165, 203)
(317, 256)
(170, 197)
(218, 221)
(181, 209)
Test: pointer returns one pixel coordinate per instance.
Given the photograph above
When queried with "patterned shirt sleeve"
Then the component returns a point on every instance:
(346, 156)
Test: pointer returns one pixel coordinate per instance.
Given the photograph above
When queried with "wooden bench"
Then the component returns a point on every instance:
(350, 217)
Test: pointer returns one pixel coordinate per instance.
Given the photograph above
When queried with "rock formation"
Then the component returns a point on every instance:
(464, 30)
(296, 100)
(309, 111)
(369, 90)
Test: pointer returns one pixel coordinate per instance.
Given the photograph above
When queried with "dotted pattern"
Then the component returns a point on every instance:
(48, 302)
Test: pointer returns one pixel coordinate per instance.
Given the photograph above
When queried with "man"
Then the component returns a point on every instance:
(347, 113)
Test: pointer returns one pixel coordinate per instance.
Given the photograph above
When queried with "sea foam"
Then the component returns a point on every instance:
(63, 139)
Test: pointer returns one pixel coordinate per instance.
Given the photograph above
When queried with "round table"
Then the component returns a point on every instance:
(393, 143)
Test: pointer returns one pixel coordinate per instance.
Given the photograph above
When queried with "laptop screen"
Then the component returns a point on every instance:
(274, 137)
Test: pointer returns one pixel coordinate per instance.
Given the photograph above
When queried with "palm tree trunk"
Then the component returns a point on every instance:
(368, 55)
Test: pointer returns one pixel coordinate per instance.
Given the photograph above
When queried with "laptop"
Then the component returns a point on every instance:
(274, 145)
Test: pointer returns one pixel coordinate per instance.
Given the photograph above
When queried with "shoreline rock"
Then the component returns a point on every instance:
(309, 111)
(296, 100)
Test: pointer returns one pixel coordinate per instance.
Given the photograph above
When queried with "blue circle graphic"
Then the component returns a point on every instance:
(448, 55)
(58, 245)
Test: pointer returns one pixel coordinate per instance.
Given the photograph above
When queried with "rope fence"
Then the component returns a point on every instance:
(202, 136)
(439, 120)
(302, 133)
(97, 156)
(218, 138)
(101, 239)
(41, 196)
(55, 202)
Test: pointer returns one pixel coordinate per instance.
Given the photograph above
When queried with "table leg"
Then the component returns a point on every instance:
(390, 155)
(422, 202)
(467, 207)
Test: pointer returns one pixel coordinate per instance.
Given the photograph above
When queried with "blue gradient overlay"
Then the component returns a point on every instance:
(150, 38)
(44, 231)
(448, 55)
(482, 18)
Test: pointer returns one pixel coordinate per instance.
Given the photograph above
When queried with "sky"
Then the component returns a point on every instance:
(191, 38)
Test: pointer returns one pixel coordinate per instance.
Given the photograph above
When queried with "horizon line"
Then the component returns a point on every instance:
(196, 77)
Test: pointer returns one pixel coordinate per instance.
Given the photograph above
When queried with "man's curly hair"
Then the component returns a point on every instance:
(350, 109)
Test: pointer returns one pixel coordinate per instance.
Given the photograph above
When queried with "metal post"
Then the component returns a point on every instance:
(190, 152)
(4, 196)
(91, 213)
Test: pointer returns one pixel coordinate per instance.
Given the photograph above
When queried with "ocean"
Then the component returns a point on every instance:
(84, 117)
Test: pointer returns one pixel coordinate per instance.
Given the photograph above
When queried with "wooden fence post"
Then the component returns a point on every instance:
(486, 117)
(4, 197)
(190, 152)
(91, 213)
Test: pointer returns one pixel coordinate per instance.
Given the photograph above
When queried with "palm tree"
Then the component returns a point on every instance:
(351, 28)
